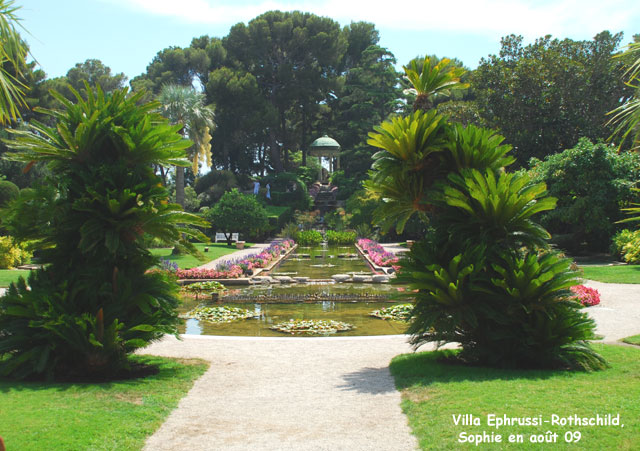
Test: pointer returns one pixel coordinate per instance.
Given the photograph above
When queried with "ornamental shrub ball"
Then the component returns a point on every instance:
(8, 192)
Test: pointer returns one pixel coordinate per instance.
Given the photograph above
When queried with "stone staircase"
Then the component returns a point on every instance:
(326, 200)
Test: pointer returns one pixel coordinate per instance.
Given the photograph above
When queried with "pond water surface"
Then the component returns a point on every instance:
(299, 301)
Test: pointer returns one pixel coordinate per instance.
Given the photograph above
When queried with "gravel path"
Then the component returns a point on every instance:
(287, 394)
(618, 314)
(255, 249)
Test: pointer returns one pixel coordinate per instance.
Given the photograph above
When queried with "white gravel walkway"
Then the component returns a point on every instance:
(618, 314)
(254, 249)
(287, 394)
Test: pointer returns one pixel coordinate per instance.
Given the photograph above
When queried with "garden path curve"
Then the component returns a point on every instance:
(287, 394)
(618, 314)
(254, 249)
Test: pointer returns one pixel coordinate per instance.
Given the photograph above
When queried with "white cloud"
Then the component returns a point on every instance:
(530, 18)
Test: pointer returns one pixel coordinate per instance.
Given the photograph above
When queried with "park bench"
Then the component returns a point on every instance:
(221, 237)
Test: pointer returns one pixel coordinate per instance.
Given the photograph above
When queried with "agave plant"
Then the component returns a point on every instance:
(96, 301)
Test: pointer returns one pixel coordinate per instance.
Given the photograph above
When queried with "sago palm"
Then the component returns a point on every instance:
(626, 118)
(434, 78)
(13, 51)
(95, 301)
(185, 106)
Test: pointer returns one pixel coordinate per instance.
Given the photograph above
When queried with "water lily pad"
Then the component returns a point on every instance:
(400, 312)
(312, 327)
(219, 314)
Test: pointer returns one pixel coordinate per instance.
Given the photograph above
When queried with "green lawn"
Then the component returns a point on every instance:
(613, 274)
(117, 415)
(189, 261)
(11, 275)
(275, 210)
(434, 394)
(633, 340)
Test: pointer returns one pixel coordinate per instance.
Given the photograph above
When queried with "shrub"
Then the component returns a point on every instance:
(308, 238)
(8, 192)
(484, 276)
(95, 301)
(237, 212)
(586, 296)
(347, 237)
(12, 254)
(626, 245)
(591, 182)
(289, 230)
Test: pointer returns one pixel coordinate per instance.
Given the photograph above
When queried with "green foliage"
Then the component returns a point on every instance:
(8, 192)
(483, 276)
(308, 238)
(346, 237)
(626, 245)
(434, 79)
(237, 212)
(95, 302)
(12, 254)
(290, 230)
(13, 51)
(545, 96)
(626, 117)
(591, 182)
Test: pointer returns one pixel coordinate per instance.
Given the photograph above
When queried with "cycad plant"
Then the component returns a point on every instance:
(96, 299)
(484, 277)
(434, 78)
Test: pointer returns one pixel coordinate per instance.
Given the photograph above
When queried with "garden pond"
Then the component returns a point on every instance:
(270, 305)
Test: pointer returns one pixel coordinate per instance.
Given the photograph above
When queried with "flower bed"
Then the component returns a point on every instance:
(401, 312)
(312, 327)
(378, 254)
(234, 269)
(587, 296)
(219, 314)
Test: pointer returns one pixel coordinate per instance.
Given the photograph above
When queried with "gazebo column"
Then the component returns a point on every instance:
(320, 170)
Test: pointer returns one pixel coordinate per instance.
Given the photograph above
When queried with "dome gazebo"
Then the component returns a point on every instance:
(329, 148)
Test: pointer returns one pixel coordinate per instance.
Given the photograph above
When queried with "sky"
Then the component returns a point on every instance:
(126, 34)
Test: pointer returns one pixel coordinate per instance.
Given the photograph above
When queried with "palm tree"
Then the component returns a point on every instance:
(184, 105)
(627, 116)
(435, 78)
(13, 51)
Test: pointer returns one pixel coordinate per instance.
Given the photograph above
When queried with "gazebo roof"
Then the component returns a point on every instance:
(324, 147)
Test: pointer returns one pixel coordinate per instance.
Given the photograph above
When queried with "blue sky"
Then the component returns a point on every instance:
(126, 34)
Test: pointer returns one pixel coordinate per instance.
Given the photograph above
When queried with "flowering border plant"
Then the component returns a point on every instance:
(587, 296)
(378, 254)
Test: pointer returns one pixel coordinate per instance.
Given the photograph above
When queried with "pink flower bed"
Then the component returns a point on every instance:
(195, 273)
(587, 296)
(236, 268)
(377, 253)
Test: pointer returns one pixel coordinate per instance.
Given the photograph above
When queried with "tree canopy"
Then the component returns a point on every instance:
(546, 95)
